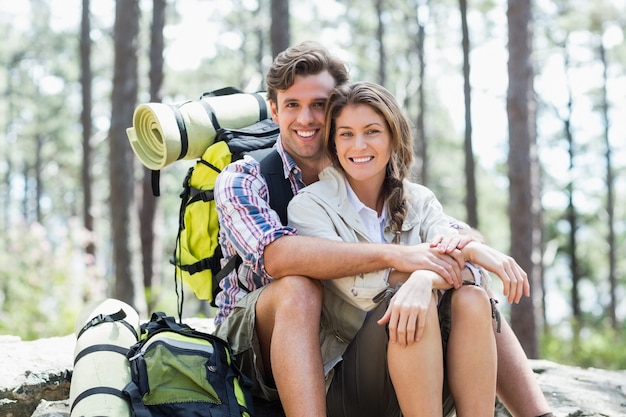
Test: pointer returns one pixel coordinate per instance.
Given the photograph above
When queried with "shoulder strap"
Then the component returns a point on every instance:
(280, 196)
(279, 186)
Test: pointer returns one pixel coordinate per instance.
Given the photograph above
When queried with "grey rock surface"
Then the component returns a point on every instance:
(35, 377)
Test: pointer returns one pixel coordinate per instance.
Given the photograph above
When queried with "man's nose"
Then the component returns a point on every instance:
(305, 115)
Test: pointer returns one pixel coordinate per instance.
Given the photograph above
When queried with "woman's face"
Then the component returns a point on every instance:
(363, 142)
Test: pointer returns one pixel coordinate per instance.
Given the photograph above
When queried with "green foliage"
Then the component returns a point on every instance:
(598, 347)
(43, 280)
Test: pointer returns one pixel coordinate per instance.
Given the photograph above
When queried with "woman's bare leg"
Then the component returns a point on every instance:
(471, 353)
(416, 370)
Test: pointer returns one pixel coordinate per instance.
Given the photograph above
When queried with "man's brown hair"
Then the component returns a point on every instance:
(306, 58)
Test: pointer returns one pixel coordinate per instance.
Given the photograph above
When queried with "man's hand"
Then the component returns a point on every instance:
(406, 314)
(512, 275)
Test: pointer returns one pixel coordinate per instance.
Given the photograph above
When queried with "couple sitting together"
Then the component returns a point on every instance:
(371, 301)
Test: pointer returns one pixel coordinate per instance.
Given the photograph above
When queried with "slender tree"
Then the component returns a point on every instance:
(121, 159)
(420, 140)
(148, 207)
(610, 185)
(280, 33)
(470, 171)
(572, 215)
(86, 123)
(523, 172)
(380, 37)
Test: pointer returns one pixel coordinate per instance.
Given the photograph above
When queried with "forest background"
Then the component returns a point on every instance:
(518, 109)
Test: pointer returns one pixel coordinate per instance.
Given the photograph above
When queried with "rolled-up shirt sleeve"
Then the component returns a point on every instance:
(247, 222)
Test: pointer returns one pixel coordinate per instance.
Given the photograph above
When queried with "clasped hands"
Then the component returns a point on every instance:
(441, 263)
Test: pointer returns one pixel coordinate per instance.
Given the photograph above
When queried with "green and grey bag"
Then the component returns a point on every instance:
(179, 371)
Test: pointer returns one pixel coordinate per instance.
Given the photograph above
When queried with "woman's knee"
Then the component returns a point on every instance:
(471, 301)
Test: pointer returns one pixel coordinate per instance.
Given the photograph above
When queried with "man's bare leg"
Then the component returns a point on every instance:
(288, 321)
(517, 386)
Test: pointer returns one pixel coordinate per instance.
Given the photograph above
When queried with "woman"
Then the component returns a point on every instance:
(364, 196)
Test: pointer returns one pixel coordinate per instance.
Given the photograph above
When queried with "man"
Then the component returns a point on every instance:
(270, 311)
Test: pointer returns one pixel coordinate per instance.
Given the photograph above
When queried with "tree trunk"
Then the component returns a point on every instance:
(419, 145)
(38, 164)
(148, 209)
(86, 122)
(380, 37)
(572, 216)
(523, 172)
(279, 29)
(610, 199)
(470, 171)
(121, 172)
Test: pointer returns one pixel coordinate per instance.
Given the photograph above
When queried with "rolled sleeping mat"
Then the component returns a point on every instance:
(164, 133)
(104, 333)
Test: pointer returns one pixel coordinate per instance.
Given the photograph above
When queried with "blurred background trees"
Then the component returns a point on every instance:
(517, 108)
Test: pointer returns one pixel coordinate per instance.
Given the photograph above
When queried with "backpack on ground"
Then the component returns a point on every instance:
(177, 371)
(197, 255)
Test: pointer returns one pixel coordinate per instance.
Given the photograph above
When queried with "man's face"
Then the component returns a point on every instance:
(299, 112)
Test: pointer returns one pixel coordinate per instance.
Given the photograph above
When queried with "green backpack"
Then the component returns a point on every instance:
(197, 255)
(177, 371)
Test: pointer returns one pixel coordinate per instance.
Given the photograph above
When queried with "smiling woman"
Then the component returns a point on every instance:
(365, 197)
(363, 146)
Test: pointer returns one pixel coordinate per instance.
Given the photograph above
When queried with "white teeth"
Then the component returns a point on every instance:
(362, 159)
(306, 134)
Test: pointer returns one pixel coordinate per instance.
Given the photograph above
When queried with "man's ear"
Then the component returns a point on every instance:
(274, 110)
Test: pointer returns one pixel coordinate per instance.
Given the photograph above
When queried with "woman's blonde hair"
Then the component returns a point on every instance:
(399, 165)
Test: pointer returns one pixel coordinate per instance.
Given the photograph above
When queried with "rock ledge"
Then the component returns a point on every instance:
(36, 375)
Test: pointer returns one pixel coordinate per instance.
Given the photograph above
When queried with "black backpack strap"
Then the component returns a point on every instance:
(101, 390)
(108, 318)
(280, 195)
(160, 320)
(279, 186)
(135, 400)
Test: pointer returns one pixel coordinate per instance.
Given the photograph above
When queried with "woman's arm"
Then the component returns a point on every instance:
(512, 275)
(406, 315)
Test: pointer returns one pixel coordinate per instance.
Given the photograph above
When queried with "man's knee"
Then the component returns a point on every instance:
(296, 294)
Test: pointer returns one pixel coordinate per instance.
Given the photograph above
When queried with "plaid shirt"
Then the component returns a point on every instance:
(248, 225)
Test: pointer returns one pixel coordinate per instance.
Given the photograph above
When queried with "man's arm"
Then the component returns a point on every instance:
(329, 259)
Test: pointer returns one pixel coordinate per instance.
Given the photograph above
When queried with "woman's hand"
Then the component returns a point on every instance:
(448, 243)
(423, 257)
(513, 277)
(406, 315)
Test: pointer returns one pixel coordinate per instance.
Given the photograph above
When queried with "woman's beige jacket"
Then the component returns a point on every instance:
(323, 210)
